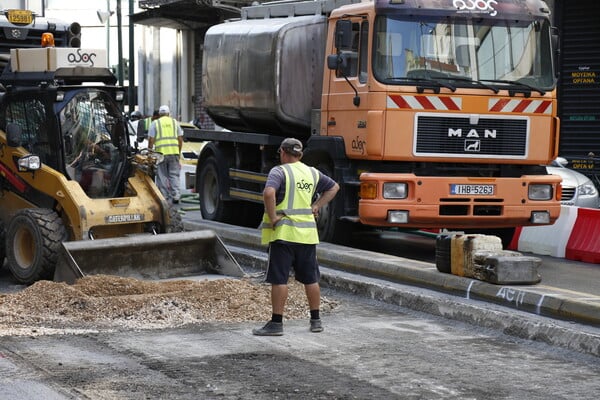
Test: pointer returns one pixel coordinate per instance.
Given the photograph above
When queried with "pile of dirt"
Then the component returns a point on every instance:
(102, 302)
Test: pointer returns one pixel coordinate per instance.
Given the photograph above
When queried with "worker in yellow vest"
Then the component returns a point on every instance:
(166, 136)
(290, 229)
(143, 126)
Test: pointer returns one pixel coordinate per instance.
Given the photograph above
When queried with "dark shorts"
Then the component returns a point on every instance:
(283, 256)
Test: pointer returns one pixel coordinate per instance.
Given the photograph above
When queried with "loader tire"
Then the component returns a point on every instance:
(176, 224)
(34, 237)
(211, 181)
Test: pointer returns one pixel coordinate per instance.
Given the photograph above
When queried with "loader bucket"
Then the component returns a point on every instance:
(168, 255)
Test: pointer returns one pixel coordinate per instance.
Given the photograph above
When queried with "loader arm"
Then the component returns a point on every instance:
(87, 218)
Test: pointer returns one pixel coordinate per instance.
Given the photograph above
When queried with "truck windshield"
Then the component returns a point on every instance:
(93, 131)
(465, 52)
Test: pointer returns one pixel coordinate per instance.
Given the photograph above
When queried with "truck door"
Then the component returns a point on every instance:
(347, 101)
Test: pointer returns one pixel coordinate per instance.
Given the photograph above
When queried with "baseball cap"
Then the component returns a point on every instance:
(164, 109)
(292, 146)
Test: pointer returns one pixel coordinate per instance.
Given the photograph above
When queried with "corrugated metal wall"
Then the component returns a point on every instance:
(579, 84)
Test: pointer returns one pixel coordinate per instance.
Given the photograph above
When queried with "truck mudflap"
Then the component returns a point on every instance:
(169, 255)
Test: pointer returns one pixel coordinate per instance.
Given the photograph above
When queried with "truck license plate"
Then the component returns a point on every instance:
(480, 190)
(20, 17)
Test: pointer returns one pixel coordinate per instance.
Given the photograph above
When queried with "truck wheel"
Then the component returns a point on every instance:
(34, 237)
(176, 224)
(210, 187)
(330, 228)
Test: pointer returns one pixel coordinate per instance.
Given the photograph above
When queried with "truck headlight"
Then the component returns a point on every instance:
(397, 217)
(540, 217)
(395, 190)
(540, 192)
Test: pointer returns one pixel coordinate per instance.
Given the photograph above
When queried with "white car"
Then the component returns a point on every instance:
(577, 189)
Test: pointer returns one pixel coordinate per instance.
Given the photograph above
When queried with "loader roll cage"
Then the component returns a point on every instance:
(86, 123)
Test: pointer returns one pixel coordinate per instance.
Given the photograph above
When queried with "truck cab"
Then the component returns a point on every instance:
(448, 112)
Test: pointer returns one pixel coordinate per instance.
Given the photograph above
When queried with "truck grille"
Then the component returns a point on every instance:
(460, 136)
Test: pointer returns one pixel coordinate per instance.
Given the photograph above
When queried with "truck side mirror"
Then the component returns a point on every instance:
(333, 61)
(343, 35)
(13, 134)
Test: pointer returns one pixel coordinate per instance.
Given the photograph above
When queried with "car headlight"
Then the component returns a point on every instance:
(395, 190)
(587, 189)
(540, 192)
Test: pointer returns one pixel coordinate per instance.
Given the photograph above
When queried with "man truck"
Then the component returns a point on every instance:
(428, 113)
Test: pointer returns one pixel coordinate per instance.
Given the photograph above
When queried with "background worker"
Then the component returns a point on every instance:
(290, 229)
(143, 126)
(166, 134)
(135, 118)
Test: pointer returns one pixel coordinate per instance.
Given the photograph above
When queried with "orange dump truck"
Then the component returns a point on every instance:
(429, 114)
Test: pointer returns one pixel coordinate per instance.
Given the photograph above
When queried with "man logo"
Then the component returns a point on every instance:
(473, 146)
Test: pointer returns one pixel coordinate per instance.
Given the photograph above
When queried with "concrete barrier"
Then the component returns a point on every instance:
(550, 240)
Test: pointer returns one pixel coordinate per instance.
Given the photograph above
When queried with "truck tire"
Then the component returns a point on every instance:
(330, 228)
(210, 186)
(34, 237)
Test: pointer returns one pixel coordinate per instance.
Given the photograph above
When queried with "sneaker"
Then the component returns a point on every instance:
(315, 325)
(270, 329)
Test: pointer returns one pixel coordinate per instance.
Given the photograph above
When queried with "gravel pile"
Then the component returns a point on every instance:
(102, 302)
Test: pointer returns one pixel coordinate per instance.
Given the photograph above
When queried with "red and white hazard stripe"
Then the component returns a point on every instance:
(445, 103)
(526, 106)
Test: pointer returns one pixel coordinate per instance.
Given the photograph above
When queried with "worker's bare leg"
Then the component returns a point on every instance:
(279, 294)
(313, 294)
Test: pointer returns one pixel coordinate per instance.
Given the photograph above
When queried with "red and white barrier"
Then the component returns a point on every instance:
(574, 236)
(584, 243)
(548, 240)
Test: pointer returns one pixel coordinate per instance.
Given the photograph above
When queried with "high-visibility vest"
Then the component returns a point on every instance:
(166, 140)
(147, 122)
(298, 224)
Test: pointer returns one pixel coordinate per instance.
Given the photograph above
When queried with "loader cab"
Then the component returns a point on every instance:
(79, 132)
(94, 141)
(31, 111)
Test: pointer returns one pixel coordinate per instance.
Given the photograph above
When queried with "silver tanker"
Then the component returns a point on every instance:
(255, 74)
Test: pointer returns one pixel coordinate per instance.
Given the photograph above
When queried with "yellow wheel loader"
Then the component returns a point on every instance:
(75, 196)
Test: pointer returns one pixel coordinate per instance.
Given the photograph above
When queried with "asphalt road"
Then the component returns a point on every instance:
(386, 340)
(368, 350)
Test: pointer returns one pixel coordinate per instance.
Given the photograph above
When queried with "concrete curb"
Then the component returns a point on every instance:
(341, 262)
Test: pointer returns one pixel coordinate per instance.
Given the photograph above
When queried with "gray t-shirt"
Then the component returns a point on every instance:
(276, 180)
